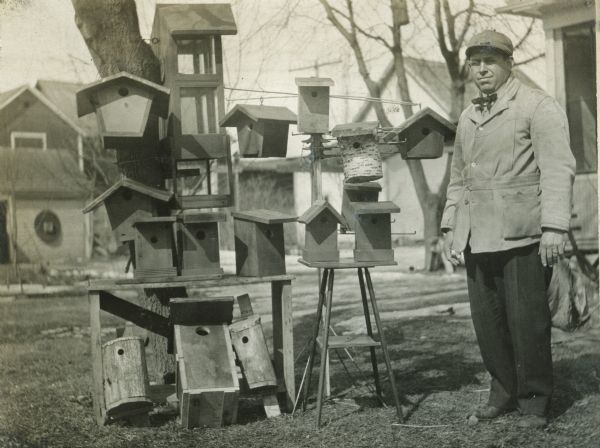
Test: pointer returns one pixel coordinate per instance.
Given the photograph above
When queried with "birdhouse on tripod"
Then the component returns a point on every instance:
(320, 236)
(357, 193)
(373, 231)
(313, 105)
(423, 135)
(262, 130)
(123, 104)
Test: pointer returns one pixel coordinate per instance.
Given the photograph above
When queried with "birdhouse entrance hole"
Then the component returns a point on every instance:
(245, 339)
(202, 331)
(120, 352)
(153, 239)
(200, 235)
(425, 131)
(269, 233)
(356, 145)
(373, 220)
(123, 91)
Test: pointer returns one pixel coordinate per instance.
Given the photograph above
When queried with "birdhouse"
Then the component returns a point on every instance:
(262, 130)
(360, 154)
(313, 105)
(320, 237)
(128, 201)
(199, 243)
(373, 231)
(259, 242)
(123, 103)
(423, 135)
(363, 192)
(155, 247)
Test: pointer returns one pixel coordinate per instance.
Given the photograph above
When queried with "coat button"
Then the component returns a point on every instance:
(473, 164)
(480, 128)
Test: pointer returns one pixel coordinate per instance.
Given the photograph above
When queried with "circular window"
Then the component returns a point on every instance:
(47, 227)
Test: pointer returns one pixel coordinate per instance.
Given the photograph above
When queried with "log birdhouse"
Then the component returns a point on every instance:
(320, 237)
(360, 154)
(199, 244)
(259, 242)
(262, 130)
(423, 135)
(313, 105)
(187, 40)
(373, 231)
(123, 103)
(353, 193)
(155, 247)
(128, 201)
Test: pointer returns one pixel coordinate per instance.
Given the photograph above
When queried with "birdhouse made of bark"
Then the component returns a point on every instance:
(360, 154)
(353, 193)
(313, 105)
(262, 130)
(123, 103)
(320, 236)
(128, 201)
(259, 242)
(155, 248)
(199, 244)
(423, 135)
(373, 231)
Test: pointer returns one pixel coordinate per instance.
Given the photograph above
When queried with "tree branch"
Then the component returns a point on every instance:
(467, 25)
(526, 35)
(440, 29)
(528, 60)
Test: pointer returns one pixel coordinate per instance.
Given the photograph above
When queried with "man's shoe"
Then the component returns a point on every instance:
(489, 412)
(532, 421)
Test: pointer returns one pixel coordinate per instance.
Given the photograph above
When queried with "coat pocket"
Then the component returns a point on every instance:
(521, 214)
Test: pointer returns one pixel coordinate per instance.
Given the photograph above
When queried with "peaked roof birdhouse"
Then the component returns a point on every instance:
(123, 103)
(423, 135)
(320, 239)
(313, 105)
(262, 130)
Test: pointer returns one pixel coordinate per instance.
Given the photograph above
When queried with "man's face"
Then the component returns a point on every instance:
(490, 69)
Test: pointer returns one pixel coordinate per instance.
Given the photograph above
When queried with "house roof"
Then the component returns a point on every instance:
(537, 8)
(353, 129)
(199, 19)
(196, 217)
(375, 208)
(263, 216)
(363, 186)
(256, 112)
(124, 182)
(313, 81)
(444, 127)
(35, 173)
(316, 209)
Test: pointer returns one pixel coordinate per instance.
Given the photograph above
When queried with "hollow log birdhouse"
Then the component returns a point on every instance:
(313, 105)
(187, 40)
(259, 242)
(353, 193)
(155, 247)
(262, 130)
(320, 236)
(373, 231)
(199, 243)
(128, 201)
(360, 154)
(423, 135)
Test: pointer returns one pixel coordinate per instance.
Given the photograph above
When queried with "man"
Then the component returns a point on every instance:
(508, 209)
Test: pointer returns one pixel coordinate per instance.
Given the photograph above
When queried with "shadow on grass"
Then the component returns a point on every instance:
(574, 379)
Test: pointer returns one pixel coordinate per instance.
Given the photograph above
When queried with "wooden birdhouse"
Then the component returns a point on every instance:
(313, 104)
(207, 381)
(423, 135)
(199, 244)
(155, 247)
(353, 193)
(123, 103)
(128, 201)
(320, 237)
(262, 130)
(259, 242)
(373, 231)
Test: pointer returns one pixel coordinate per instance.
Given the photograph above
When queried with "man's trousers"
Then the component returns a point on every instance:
(510, 313)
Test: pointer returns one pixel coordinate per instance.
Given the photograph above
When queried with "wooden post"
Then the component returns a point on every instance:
(98, 389)
(283, 338)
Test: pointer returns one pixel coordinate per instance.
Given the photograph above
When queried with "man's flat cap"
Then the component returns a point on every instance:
(490, 39)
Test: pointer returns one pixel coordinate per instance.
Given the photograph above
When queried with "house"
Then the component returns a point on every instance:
(571, 79)
(43, 185)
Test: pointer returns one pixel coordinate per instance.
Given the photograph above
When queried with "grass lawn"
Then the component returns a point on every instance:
(45, 373)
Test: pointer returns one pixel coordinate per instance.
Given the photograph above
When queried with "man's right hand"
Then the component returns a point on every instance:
(450, 254)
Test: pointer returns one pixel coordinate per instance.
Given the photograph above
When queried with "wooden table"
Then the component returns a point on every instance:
(101, 298)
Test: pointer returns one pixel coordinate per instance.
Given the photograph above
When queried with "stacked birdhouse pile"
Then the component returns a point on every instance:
(170, 141)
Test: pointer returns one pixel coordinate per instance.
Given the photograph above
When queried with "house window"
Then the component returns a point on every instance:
(28, 140)
(196, 56)
(580, 86)
(47, 227)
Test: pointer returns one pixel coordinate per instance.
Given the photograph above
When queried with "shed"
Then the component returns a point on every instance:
(320, 239)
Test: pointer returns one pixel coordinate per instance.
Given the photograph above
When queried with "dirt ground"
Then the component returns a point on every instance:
(45, 373)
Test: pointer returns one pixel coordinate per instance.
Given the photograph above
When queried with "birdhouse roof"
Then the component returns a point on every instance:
(256, 113)
(314, 82)
(204, 217)
(155, 193)
(188, 20)
(375, 208)
(264, 216)
(363, 186)
(316, 209)
(428, 117)
(353, 129)
(155, 220)
(160, 102)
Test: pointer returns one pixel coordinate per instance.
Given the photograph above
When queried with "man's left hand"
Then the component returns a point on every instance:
(552, 246)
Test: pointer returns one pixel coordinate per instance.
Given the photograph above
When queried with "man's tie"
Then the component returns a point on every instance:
(485, 101)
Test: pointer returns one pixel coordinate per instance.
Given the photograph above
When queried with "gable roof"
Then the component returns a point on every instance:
(264, 216)
(256, 112)
(35, 173)
(315, 209)
(124, 182)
